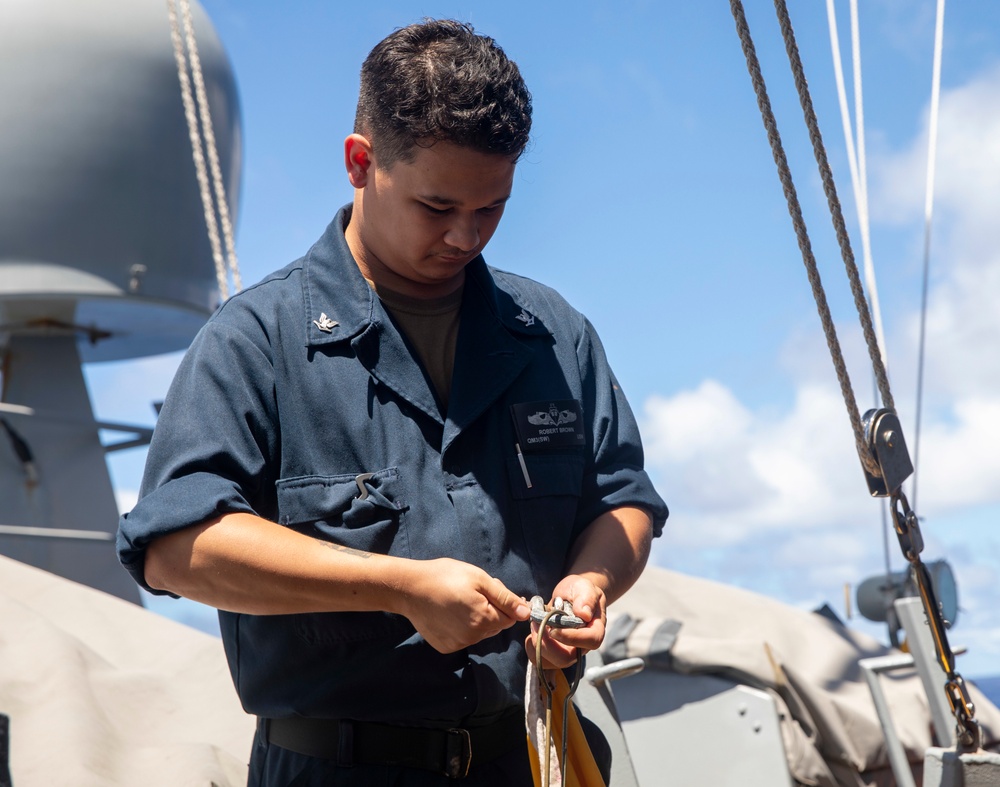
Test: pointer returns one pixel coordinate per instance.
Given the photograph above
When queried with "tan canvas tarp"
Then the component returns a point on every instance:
(101, 692)
(808, 663)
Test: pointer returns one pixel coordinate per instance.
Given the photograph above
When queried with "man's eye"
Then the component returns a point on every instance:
(435, 211)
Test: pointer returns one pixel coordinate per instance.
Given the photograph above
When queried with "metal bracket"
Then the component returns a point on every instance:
(598, 676)
(885, 440)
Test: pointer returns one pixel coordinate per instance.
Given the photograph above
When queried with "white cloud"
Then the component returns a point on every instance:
(960, 461)
(967, 180)
(963, 320)
(751, 473)
(778, 504)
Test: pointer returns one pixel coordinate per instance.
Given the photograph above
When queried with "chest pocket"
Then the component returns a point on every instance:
(547, 509)
(353, 511)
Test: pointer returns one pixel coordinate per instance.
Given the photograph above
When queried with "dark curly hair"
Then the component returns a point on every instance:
(440, 81)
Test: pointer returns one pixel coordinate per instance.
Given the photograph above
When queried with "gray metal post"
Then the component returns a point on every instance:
(872, 668)
(69, 488)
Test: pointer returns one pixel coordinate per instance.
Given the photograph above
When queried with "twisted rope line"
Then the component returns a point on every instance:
(210, 145)
(836, 213)
(196, 152)
(801, 234)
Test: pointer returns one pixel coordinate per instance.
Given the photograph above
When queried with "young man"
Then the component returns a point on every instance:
(368, 461)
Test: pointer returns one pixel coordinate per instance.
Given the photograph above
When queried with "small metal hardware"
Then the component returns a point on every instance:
(459, 754)
(360, 479)
(563, 617)
(884, 434)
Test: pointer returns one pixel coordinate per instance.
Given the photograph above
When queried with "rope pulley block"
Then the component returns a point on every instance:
(884, 437)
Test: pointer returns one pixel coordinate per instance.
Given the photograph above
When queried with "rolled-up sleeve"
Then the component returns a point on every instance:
(215, 439)
(615, 476)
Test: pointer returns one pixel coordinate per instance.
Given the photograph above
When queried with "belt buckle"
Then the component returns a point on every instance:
(458, 753)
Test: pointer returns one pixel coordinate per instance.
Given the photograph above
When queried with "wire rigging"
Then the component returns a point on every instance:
(856, 160)
(932, 135)
(801, 234)
(856, 157)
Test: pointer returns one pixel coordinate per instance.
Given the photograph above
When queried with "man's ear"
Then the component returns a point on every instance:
(357, 159)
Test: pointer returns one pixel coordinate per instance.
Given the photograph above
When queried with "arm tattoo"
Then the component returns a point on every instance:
(342, 548)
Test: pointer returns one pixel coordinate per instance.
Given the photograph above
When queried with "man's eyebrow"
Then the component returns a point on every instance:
(448, 202)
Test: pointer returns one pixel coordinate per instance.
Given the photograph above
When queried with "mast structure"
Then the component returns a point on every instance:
(104, 254)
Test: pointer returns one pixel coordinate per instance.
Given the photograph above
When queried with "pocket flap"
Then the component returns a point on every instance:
(328, 498)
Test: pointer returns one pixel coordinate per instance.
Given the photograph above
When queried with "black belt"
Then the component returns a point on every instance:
(448, 751)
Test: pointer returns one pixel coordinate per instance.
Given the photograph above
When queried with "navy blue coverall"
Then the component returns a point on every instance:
(276, 412)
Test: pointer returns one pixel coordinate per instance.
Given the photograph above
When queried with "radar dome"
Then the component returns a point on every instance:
(102, 229)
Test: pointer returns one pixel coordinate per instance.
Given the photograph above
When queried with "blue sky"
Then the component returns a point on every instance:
(650, 199)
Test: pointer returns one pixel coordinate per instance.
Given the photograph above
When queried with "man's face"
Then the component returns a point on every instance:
(417, 224)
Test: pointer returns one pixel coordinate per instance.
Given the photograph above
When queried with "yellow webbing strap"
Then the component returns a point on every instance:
(581, 769)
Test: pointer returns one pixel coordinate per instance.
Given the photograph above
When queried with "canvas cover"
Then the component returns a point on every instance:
(101, 692)
(805, 661)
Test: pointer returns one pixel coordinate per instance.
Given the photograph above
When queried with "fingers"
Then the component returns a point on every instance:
(560, 646)
(587, 599)
(455, 605)
(554, 653)
(507, 603)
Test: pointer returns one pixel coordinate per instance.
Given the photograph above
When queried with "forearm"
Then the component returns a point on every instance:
(613, 550)
(242, 563)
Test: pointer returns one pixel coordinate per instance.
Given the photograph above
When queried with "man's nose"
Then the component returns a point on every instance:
(463, 234)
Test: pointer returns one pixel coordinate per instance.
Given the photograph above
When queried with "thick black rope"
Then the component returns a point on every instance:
(795, 211)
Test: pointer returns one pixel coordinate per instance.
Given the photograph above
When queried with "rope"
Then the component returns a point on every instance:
(932, 129)
(205, 114)
(555, 612)
(195, 132)
(547, 689)
(795, 211)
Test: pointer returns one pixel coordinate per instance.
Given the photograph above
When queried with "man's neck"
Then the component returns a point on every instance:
(373, 269)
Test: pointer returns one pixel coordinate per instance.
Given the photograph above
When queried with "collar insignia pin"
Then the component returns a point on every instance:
(527, 319)
(325, 324)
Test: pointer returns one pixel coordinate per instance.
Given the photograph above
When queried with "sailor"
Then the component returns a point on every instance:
(369, 460)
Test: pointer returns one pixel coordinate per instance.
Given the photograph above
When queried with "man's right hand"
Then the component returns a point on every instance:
(454, 604)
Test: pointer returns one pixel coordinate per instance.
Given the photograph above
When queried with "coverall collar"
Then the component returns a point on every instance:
(340, 306)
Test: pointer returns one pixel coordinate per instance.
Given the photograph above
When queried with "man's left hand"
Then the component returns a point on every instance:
(559, 645)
